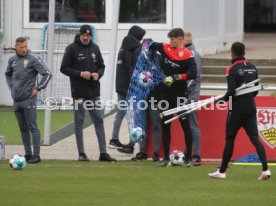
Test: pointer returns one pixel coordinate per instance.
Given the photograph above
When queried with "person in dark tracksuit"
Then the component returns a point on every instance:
(243, 113)
(83, 63)
(194, 94)
(126, 61)
(21, 76)
(178, 65)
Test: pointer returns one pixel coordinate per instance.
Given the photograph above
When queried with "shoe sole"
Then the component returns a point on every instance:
(34, 162)
(108, 161)
(196, 164)
(113, 147)
(138, 159)
(216, 177)
(265, 178)
(129, 153)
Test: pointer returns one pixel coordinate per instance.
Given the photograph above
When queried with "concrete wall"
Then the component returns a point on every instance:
(215, 24)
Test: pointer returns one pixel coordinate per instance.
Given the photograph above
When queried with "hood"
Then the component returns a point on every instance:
(137, 32)
(130, 43)
(78, 41)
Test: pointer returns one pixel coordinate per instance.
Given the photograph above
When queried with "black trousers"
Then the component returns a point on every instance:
(234, 122)
(166, 130)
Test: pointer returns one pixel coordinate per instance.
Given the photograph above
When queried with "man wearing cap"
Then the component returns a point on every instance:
(83, 63)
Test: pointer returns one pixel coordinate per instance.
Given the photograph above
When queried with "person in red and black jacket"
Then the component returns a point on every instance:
(178, 64)
(243, 113)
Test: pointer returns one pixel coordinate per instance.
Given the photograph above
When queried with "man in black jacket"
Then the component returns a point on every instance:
(243, 113)
(83, 63)
(126, 62)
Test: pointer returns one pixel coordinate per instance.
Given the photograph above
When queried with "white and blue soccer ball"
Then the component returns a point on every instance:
(17, 162)
(177, 158)
(145, 78)
(137, 134)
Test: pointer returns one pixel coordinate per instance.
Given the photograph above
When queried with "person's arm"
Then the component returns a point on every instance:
(191, 73)
(157, 47)
(100, 64)
(42, 69)
(192, 70)
(66, 64)
(8, 74)
(256, 84)
(231, 86)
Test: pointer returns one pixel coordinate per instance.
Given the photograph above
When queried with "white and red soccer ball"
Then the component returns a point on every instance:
(177, 158)
(145, 78)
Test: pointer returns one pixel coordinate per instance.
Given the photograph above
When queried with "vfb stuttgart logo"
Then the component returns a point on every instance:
(267, 125)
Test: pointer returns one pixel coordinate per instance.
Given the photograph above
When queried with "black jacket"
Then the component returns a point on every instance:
(239, 73)
(127, 58)
(171, 67)
(77, 58)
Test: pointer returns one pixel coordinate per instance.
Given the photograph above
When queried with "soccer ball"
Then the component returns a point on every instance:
(17, 162)
(136, 134)
(145, 78)
(177, 158)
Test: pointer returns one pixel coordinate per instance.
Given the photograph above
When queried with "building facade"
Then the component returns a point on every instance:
(215, 24)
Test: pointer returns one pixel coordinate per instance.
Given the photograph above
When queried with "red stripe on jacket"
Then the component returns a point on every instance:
(232, 65)
(177, 53)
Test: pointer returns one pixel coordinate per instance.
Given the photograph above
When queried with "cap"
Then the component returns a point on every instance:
(86, 29)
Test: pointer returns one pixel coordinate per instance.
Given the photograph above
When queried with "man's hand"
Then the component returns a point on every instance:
(168, 81)
(86, 75)
(95, 76)
(34, 93)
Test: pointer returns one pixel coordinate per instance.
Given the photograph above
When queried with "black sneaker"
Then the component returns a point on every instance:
(188, 163)
(34, 159)
(115, 144)
(28, 157)
(128, 149)
(155, 157)
(196, 160)
(83, 157)
(140, 156)
(106, 157)
(164, 163)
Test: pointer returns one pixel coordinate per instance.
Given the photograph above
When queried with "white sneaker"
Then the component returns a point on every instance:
(217, 175)
(265, 175)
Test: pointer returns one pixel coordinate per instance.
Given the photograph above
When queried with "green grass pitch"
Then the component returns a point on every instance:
(127, 183)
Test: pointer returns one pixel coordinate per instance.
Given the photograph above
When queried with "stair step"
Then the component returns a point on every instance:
(262, 70)
(221, 78)
(220, 61)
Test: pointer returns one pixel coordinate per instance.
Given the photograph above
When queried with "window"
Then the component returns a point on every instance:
(153, 14)
(143, 11)
(68, 11)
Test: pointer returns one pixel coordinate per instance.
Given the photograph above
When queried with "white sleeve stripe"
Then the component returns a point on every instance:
(46, 81)
(190, 82)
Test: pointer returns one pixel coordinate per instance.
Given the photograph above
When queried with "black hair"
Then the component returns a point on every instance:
(238, 49)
